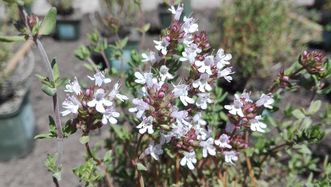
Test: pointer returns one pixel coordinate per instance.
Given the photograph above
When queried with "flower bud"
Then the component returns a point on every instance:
(161, 94)
(313, 61)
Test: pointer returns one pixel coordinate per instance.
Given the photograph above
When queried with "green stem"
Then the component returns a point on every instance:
(56, 109)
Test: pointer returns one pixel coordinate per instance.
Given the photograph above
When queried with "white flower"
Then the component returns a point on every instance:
(235, 109)
(223, 141)
(190, 53)
(165, 138)
(177, 12)
(150, 57)
(202, 83)
(189, 25)
(115, 93)
(154, 150)
(208, 147)
(179, 130)
(99, 79)
(222, 59)
(99, 101)
(203, 99)
(226, 72)
(140, 107)
(266, 101)
(187, 39)
(197, 119)
(189, 160)
(110, 115)
(180, 116)
(181, 91)
(201, 132)
(73, 87)
(162, 45)
(146, 125)
(230, 156)
(205, 66)
(257, 125)
(246, 96)
(71, 105)
(164, 73)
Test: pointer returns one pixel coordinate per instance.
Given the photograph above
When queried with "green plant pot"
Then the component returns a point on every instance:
(17, 127)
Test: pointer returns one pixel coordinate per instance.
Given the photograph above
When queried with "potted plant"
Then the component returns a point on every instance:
(117, 23)
(68, 20)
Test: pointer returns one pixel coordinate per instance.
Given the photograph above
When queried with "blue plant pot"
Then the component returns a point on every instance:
(67, 29)
(17, 128)
(122, 65)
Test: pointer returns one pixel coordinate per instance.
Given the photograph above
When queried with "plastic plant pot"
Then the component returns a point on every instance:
(17, 123)
(68, 27)
(17, 127)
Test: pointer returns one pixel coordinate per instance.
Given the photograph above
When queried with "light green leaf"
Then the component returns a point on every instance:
(9, 39)
(51, 165)
(141, 167)
(43, 136)
(48, 90)
(49, 22)
(84, 139)
(314, 107)
(82, 53)
(56, 71)
(297, 113)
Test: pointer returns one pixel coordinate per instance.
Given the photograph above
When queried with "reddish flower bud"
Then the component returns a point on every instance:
(313, 61)
(161, 94)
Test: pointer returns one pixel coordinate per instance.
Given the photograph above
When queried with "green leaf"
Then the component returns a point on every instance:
(108, 156)
(69, 129)
(297, 113)
(88, 172)
(48, 90)
(49, 22)
(43, 136)
(145, 28)
(52, 126)
(84, 139)
(141, 167)
(12, 38)
(122, 43)
(61, 82)
(82, 53)
(314, 107)
(41, 77)
(56, 70)
(51, 165)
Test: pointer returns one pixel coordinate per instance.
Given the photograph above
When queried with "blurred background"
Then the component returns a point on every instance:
(263, 36)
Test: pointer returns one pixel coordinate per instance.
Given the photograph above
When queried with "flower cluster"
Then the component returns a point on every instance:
(170, 109)
(246, 113)
(93, 106)
(313, 61)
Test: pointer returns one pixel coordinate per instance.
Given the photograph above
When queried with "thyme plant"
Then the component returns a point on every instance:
(175, 127)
